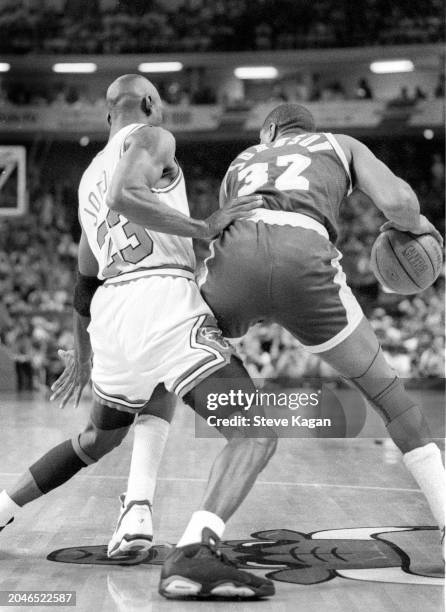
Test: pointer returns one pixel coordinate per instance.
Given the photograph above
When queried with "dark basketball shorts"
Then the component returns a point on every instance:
(264, 269)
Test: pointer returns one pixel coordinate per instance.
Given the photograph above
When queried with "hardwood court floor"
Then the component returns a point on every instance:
(310, 485)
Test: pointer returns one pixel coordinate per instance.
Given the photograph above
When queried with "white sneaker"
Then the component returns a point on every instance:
(134, 530)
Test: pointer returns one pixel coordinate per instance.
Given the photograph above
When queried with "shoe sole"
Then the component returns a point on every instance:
(130, 545)
(178, 587)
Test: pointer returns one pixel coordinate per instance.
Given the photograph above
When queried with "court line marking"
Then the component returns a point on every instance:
(275, 483)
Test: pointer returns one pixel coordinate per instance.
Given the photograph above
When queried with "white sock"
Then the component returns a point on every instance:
(8, 508)
(150, 437)
(199, 520)
(425, 465)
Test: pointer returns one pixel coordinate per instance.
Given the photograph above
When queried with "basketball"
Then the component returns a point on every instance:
(406, 263)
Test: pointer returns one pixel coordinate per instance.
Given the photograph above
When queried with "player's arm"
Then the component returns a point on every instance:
(84, 290)
(393, 196)
(78, 362)
(149, 151)
(223, 193)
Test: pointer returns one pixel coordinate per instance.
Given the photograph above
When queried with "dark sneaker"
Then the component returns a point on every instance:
(202, 571)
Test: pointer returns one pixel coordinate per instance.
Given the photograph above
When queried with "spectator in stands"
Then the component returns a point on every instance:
(403, 98)
(157, 26)
(419, 94)
(277, 94)
(439, 89)
(363, 90)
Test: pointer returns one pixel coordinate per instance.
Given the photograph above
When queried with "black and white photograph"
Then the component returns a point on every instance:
(222, 305)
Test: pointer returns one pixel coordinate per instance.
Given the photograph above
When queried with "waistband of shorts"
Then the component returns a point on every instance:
(178, 271)
(284, 217)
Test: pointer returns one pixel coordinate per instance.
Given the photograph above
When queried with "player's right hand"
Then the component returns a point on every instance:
(72, 381)
(237, 208)
(424, 227)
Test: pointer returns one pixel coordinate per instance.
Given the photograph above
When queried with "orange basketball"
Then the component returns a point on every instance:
(406, 263)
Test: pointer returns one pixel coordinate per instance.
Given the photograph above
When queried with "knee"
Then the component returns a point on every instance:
(93, 443)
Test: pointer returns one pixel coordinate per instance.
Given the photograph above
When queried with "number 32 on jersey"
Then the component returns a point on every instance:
(256, 175)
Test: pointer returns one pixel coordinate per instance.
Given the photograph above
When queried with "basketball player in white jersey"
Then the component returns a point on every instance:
(150, 326)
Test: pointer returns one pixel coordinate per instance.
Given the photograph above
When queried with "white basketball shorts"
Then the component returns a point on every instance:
(151, 330)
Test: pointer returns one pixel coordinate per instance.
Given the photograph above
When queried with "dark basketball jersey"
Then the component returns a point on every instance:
(304, 173)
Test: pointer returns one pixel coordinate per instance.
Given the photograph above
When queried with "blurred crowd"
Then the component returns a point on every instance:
(37, 267)
(38, 262)
(193, 89)
(147, 26)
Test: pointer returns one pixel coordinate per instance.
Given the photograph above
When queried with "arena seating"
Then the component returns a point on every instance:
(104, 26)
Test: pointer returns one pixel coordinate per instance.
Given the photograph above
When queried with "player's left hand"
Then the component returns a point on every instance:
(72, 381)
(424, 227)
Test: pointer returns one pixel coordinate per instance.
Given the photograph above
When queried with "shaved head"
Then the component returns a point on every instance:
(285, 118)
(132, 97)
(291, 117)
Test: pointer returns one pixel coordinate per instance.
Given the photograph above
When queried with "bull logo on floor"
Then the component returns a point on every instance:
(379, 554)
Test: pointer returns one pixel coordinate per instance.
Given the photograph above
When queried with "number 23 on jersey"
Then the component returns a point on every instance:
(129, 243)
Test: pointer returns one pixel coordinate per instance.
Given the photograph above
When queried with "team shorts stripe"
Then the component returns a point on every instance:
(353, 310)
(164, 270)
(214, 361)
(120, 402)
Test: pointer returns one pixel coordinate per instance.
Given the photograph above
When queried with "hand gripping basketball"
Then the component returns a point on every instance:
(407, 262)
(424, 227)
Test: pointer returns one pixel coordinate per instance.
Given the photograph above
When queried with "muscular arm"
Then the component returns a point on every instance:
(88, 266)
(150, 150)
(393, 196)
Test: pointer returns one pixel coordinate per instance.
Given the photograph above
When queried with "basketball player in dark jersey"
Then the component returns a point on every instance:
(282, 265)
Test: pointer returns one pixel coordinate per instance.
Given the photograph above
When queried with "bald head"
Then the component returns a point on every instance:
(133, 97)
(286, 118)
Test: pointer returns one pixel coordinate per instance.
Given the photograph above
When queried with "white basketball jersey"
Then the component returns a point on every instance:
(123, 249)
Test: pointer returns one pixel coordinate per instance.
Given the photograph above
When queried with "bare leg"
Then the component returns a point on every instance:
(236, 468)
(105, 430)
(234, 473)
(195, 567)
(360, 359)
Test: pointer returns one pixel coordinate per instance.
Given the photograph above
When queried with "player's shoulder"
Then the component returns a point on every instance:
(348, 142)
(349, 145)
(248, 153)
(151, 137)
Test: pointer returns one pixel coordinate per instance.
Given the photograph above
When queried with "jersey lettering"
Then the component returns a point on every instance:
(301, 173)
(256, 175)
(120, 246)
(253, 177)
(291, 178)
(96, 198)
(139, 243)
